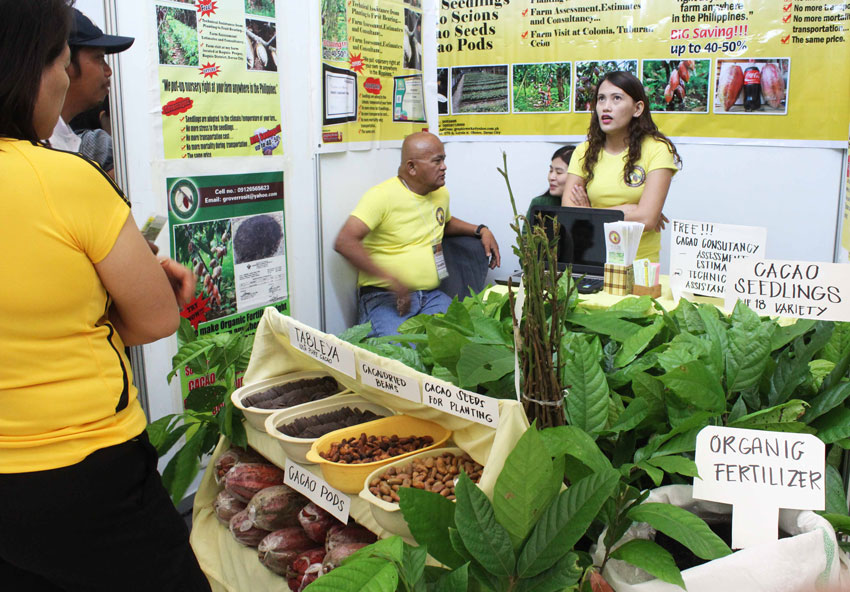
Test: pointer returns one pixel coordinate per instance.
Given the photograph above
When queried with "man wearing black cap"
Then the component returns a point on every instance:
(89, 74)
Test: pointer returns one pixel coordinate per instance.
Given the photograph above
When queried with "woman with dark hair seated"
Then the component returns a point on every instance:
(82, 506)
(557, 180)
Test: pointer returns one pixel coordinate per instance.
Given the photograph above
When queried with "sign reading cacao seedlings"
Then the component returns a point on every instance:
(325, 348)
(759, 472)
(796, 289)
(451, 399)
(700, 254)
(317, 490)
(399, 385)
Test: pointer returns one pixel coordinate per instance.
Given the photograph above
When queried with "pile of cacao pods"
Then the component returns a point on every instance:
(294, 538)
(676, 84)
(731, 82)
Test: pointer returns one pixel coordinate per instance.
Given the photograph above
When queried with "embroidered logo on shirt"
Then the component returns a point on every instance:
(440, 214)
(636, 177)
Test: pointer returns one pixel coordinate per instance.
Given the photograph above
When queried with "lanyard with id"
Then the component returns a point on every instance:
(436, 245)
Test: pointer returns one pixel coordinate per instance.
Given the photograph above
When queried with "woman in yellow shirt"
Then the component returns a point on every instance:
(626, 163)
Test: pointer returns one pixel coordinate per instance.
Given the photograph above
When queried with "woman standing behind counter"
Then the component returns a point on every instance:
(626, 164)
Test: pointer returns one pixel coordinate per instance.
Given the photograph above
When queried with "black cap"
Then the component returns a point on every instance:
(85, 33)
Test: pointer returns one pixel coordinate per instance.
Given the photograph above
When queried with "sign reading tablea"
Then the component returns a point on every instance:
(700, 254)
(316, 344)
(797, 289)
(451, 399)
(759, 472)
(317, 491)
(399, 385)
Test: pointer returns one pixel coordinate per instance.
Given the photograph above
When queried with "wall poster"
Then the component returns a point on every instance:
(742, 70)
(218, 78)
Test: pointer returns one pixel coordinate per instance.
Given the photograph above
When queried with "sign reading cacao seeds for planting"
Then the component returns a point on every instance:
(372, 86)
(700, 254)
(393, 383)
(451, 399)
(795, 289)
(317, 490)
(219, 85)
(759, 472)
(325, 348)
(741, 71)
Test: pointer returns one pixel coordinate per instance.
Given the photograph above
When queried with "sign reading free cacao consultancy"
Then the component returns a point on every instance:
(796, 289)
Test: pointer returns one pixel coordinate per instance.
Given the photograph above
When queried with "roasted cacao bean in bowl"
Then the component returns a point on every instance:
(313, 385)
(388, 513)
(347, 474)
(296, 448)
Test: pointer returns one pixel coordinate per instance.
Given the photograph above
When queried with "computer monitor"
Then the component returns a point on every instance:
(581, 242)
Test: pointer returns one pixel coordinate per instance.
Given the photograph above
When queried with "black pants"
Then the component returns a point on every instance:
(105, 524)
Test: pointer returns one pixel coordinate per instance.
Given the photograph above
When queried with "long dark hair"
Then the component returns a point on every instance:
(639, 127)
(32, 35)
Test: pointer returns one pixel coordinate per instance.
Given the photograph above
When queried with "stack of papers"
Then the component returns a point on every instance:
(621, 242)
(647, 273)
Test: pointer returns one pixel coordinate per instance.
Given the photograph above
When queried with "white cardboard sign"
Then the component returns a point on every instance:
(317, 490)
(451, 399)
(759, 472)
(796, 289)
(700, 253)
(393, 383)
(316, 344)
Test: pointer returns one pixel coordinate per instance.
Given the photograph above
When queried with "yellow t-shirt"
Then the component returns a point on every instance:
(608, 188)
(404, 227)
(65, 384)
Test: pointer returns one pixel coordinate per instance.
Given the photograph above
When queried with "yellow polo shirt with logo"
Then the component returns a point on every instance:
(65, 384)
(608, 188)
(404, 226)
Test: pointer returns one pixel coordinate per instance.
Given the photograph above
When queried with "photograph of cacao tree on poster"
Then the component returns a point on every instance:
(206, 249)
(589, 73)
(177, 36)
(334, 30)
(542, 87)
(677, 85)
(260, 7)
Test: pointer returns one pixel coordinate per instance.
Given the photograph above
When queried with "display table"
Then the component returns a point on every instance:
(233, 567)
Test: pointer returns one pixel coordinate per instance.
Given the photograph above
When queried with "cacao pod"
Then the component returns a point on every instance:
(276, 507)
(316, 522)
(301, 564)
(277, 550)
(674, 79)
(684, 73)
(772, 85)
(352, 533)
(230, 458)
(335, 556)
(226, 506)
(689, 64)
(680, 90)
(730, 84)
(246, 479)
(668, 94)
(244, 531)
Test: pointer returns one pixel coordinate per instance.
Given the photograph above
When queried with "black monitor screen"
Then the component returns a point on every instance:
(582, 235)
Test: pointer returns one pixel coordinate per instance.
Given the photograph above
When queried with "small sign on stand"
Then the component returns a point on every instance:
(759, 472)
(393, 383)
(317, 490)
(335, 353)
(468, 405)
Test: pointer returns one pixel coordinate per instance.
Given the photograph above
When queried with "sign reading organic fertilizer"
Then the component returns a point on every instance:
(372, 87)
(797, 289)
(317, 490)
(451, 399)
(700, 254)
(229, 230)
(327, 349)
(759, 472)
(393, 383)
(741, 70)
(218, 78)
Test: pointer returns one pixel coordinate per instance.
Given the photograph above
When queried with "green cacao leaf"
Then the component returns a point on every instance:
(651, 558)
(693, 384)
(587, 402)
(429, 516)
(687, 528)
(486, 540)
(371, 574)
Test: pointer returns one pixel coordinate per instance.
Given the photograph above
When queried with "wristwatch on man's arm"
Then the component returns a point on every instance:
(479, 229)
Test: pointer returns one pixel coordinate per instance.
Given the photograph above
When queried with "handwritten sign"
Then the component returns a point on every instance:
(797, 289)
(759, 472)
(393, 383)
(317, 491)
(451, 399)
(700, 254)
(316, 344)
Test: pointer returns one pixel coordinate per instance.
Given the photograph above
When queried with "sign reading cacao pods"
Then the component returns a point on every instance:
(317, 490)
(796, 289)
(451, 399)
(325, 348)
(393, 383)
(759, 472)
